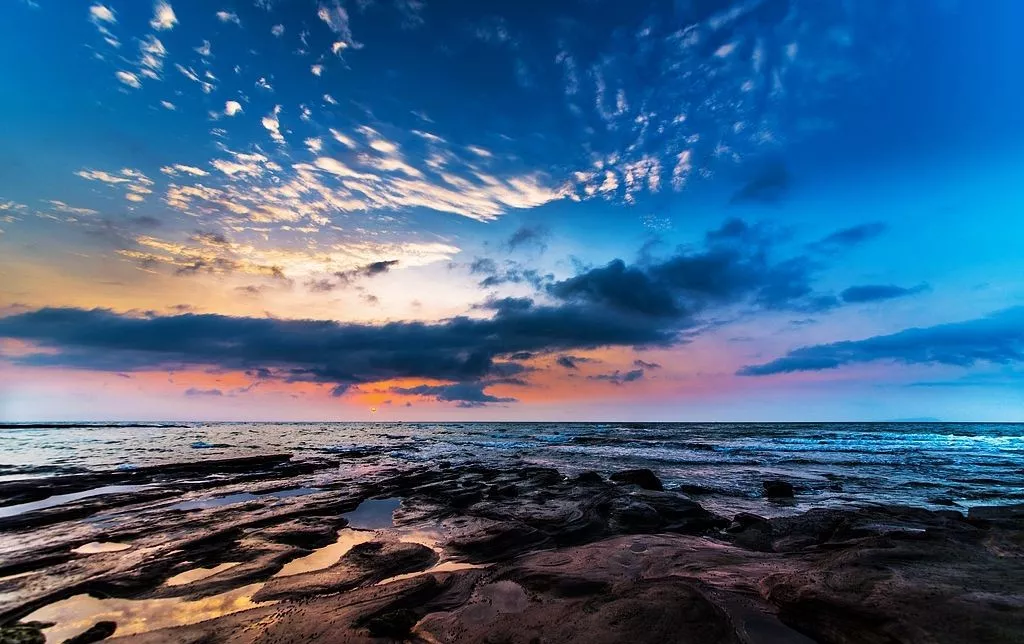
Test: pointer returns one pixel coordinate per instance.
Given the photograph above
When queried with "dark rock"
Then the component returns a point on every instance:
(396, 624)
(589, 478)
(751, 531)
(645, 478)
(777, 489)
(694, 490)
(942, 500)
(98, 631)
(24, 633)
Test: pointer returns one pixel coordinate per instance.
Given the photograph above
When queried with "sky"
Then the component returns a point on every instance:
(689, 210)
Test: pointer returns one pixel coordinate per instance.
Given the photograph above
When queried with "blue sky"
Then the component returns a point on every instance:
(711, 210)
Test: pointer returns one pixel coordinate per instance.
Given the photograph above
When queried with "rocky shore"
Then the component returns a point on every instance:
(270, 549)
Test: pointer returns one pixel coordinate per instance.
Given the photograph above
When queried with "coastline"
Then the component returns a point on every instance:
(464, 552)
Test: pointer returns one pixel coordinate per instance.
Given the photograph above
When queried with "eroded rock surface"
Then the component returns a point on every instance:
(580, 559)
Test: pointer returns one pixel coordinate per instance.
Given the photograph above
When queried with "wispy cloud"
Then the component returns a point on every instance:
(163, 16)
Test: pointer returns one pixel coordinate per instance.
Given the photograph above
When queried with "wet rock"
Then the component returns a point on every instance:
(942, 500)
(95, 633)
(777, 489)
(589, 478)
(366, 563)
(645, 478)
(694, 490)
(751, 531)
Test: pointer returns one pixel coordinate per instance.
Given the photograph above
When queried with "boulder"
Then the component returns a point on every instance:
(777, 489)
(642, 477)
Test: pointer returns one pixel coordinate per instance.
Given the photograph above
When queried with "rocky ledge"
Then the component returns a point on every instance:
(555, 559)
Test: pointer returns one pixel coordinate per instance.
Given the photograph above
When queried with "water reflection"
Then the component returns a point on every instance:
(76, 614)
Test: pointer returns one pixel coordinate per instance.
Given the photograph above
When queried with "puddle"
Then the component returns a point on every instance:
(96, 547)
(76, 614)
(328, 555)
(198, 574)
(373, 514)
(447, 566)
(61, 499)
(241, 497)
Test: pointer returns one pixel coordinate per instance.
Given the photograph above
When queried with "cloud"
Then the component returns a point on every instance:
(466, 394)
(879, 292)
(535, 236)
(996, 338)
(735, 266)
(100, 13)
(273, 125)
(570, 362)
(228, 16)
(768, 185)
(193, 392)
(232, 107)
(163, 16)
(458, 349)
(619, 378)
(129, 79)
(646, 365)
(369, 270)
(277, 30)
(849, 237)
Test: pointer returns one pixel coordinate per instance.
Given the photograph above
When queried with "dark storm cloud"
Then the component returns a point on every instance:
(466, 394)
(509, 272)
(459, 349)
(997, 338)
(878, 292)
(570, 362)
(369, 270)
(646, 365)
(736, 265)
(618, 378)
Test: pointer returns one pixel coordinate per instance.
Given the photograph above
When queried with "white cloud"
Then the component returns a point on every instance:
(151, 57)
(314, 145)
(204, 49)
(273, 124)
(163, 16)
(167, 105)
(317, 69)
(263, 84)
(191, 74)
(71, 210)
(232, 107)
(228, 16)
(330, 99)
(342, 139)
(277, 30)
(129, 79)
(135, 183)
(479, 151)
(186, 169)
(99, 13)
(337, 19)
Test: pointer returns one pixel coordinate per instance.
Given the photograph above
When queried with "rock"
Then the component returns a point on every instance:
(694, 490)
(645, 478)
(98, 631)
(589, 478)
(751, 531)
(396, 624)
(942, 500)
(777, 489)
(366, 563)
(24, 633)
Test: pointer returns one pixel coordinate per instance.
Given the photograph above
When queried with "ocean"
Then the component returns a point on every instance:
(722, 465)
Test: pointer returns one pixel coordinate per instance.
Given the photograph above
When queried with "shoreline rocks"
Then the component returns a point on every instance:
(582, 559)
